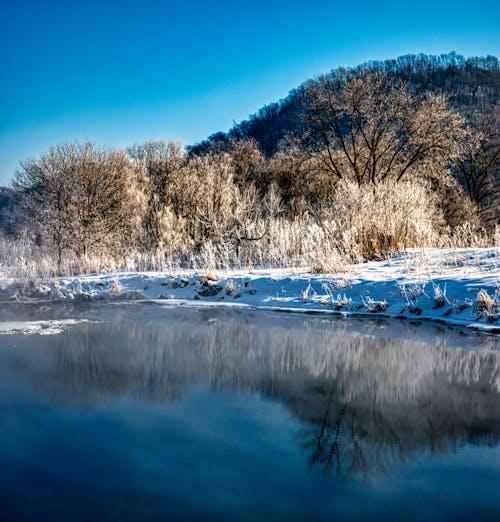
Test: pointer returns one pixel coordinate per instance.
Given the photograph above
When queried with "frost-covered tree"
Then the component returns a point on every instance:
(207, 195)
(83, 199)
(221, 212)
(162, 161)
(248, 162)
(367, 127)
(46, 191)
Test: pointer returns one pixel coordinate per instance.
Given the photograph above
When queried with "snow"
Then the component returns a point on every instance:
(36, 327)
(459, 287)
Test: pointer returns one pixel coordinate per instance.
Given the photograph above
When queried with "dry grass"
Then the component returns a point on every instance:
(487, 306)
(244, 230)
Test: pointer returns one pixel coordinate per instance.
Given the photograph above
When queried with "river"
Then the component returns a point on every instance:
(147, 412)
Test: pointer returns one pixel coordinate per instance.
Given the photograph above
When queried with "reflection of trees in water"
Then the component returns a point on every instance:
(101, 363)
(150, 359)
(369, 403)
(351, 439)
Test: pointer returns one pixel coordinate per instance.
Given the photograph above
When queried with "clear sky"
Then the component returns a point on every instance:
(121, 72)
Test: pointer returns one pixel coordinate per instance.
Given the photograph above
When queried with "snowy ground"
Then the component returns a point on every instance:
(459, 287)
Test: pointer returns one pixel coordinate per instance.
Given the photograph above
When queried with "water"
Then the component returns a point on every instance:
(136, 412)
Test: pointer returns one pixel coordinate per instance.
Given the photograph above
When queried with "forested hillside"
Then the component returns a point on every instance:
(472, 84)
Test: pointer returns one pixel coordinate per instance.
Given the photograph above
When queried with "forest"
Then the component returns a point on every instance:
(356, 164)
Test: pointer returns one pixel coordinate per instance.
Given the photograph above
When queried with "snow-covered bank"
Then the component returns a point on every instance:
(459, 287)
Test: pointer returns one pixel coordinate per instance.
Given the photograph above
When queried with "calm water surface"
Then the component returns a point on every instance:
(141, 412)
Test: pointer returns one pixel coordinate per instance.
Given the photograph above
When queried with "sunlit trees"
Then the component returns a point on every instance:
(355, 164)
(478, 169)
(367, 127)
(162, 162)
(248, 162)
(467, 82)
(220, 212)
(83, 199)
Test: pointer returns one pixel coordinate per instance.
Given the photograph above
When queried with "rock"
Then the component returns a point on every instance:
(82, 297)
(210, 291)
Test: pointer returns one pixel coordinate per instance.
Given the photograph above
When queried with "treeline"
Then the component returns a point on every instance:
(471, 84)
(369, 163)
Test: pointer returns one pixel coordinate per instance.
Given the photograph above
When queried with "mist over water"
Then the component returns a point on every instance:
(145, 412)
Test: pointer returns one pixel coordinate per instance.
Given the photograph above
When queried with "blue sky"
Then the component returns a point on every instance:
(121, 72)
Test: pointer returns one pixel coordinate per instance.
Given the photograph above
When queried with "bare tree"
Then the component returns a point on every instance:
(368, 127)
(248, 162)
(305, 189)
(83, 199)
(46, 188)
(478, 170)
(162, 162)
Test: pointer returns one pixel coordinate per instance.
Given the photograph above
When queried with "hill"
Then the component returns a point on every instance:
(472, 84)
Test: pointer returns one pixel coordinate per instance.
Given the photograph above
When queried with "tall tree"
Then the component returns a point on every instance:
(367, 127)
(478, 169)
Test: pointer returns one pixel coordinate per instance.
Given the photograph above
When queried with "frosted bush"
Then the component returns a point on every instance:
(386, 218)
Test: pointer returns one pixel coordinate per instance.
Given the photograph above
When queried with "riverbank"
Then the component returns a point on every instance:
(459, 286)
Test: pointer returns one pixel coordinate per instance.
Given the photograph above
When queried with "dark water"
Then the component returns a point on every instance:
(147, 413)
